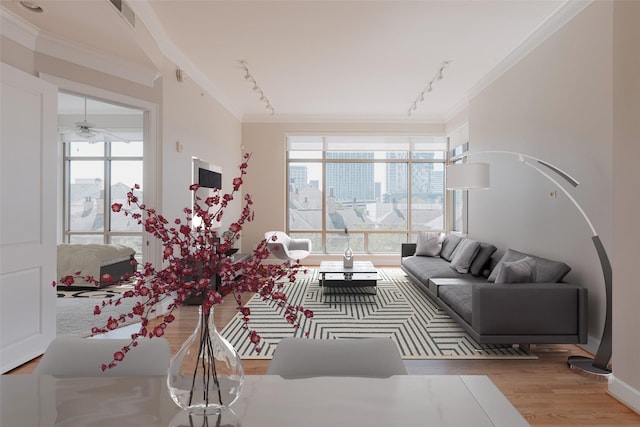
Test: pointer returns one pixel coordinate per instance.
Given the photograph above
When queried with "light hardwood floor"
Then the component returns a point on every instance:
(545, 391)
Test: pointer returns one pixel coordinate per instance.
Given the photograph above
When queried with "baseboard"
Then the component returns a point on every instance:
(626, 394)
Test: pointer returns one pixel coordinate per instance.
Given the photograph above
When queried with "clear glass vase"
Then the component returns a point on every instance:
(206, 374)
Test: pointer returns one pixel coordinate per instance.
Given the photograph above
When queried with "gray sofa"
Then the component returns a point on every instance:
(538, 311)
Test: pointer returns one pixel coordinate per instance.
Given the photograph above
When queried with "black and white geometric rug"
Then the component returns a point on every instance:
(110, 291)
(399, 310)
(74, 316)
(74, 309)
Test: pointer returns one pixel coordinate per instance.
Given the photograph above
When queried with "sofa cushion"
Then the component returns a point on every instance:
(520, 271)
(423, 268)
(428, 243)
(480, 261)
(449, 244)
(464, 255)
(458, 297)
(547, 271)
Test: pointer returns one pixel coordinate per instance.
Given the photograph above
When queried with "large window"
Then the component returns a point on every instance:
(98, 175)
(100, 168)
(382, 189)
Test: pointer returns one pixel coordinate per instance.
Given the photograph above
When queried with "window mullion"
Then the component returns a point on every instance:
(324, 195)
(107, 192)
(409, 194)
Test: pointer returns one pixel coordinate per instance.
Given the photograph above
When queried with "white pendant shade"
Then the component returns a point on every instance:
(467, 175)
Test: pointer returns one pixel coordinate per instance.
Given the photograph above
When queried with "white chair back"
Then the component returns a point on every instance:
(83, 357)
(364, 357)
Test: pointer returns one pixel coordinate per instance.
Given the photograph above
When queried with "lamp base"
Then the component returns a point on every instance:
(584, 366)
(347, 262)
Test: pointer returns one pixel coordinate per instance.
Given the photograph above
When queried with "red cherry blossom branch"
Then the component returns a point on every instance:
(193, 260)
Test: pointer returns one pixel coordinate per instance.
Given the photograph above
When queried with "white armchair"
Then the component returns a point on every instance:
(284, 247)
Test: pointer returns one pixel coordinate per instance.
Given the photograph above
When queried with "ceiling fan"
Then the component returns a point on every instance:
(87, 131)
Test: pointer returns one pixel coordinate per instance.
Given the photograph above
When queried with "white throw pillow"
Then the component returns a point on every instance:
(428, 243)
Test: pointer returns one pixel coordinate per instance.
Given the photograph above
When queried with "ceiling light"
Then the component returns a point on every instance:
(256, 88)
(438, 76)
(31, 7)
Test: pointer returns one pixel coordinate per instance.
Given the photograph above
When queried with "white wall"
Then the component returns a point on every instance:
(206, 130)
(559, 104)
(626, 204)
(555, 104)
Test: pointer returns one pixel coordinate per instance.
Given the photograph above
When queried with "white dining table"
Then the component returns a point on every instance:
(266, 401)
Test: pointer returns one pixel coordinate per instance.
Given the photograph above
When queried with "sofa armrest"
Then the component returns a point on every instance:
(534, 308)
(408, 249)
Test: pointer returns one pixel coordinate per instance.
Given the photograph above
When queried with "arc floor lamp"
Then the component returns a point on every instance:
(476, 175)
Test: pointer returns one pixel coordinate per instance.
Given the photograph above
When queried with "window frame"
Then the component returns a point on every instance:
(409, 232)
(106, 158)
(458, 198)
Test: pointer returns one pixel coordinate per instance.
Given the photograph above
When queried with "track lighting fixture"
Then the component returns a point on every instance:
(438, 76)
(256, 88)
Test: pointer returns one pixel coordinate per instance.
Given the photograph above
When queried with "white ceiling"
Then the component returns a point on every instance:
(347, 60)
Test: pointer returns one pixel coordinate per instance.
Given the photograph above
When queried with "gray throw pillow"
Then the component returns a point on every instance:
(464, 254)
(480, 261)
(449, 245)
(428, 243)
(520, 271)
(547, 271)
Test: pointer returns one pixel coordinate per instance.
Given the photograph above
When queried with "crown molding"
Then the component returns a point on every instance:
(95, 60)
(563, 14)
(17, 29)
(460, 108)
(31, 37)
(296, 118)
(145, 13)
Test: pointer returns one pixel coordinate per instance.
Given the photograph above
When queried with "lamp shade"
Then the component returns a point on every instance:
(467, 175)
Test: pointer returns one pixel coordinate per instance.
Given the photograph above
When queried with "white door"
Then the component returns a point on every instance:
(27, 216)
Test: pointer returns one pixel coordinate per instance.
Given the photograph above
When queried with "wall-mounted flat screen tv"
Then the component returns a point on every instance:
(209, 177)
(206, 175)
